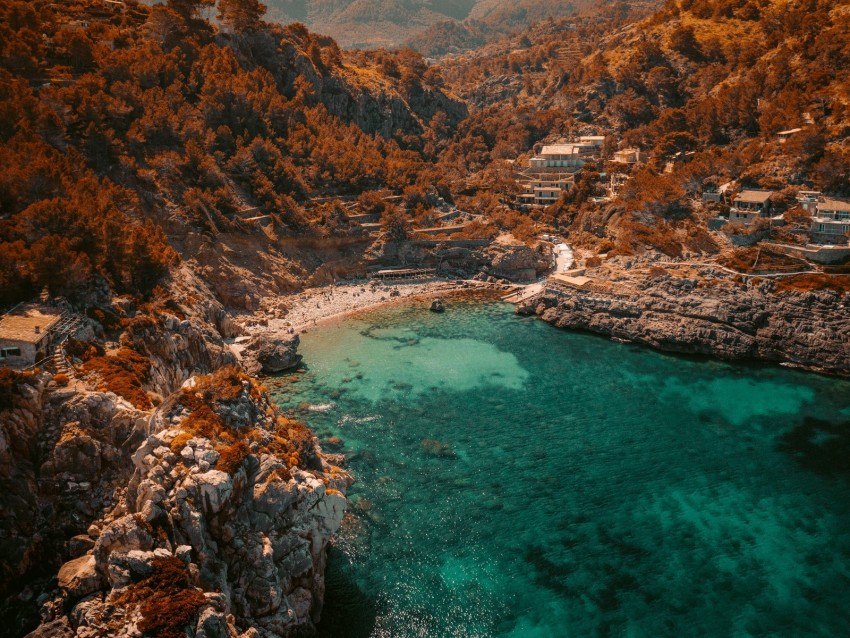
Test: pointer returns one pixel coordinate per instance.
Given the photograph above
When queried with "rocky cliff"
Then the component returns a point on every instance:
(222, 529)
(192, 507)
(459, 258)
(721, 318)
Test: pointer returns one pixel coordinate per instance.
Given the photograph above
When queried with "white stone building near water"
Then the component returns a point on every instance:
(831, 221)
(27, 333)
(552, 170)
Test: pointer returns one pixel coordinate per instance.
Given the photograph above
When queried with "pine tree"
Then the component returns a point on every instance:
(241, 15)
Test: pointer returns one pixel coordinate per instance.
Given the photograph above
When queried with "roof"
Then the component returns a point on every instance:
(828, 203)
(560, 149)
(756, 197)
(575, 282)
(20, 323)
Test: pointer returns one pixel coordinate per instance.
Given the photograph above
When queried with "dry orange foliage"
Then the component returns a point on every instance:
(124, 374)
(167, 601)
(290, 440)
(807, 283)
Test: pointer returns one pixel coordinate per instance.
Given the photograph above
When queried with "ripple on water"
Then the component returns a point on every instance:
(515, 480)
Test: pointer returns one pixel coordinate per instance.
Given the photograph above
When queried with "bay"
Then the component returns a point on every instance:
(516, 480)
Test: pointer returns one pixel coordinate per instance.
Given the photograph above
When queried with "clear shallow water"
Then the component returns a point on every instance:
(516, 480)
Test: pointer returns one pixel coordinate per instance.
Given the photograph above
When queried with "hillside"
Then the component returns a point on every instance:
(175, 187)
(151, 124)
(702, 88)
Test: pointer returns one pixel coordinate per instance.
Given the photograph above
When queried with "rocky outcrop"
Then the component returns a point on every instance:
(246, 526)
(809, 329)
(271, 353)
(102, 504)
(514, 262)
(63, 461)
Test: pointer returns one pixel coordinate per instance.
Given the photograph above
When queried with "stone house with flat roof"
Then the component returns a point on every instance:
(749, 205)
(831, 221)
(27, 333)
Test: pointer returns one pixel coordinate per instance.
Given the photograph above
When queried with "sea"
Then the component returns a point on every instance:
(516, 480)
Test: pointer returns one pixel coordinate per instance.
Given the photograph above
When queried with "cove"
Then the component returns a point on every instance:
(515, 480)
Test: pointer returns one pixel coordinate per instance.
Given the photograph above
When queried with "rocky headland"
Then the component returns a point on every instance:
(706, 310)
(159, 491)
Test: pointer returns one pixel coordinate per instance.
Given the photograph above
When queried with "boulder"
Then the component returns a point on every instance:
(79, 577)
(437, 306)
(272, 353)
(59, 628)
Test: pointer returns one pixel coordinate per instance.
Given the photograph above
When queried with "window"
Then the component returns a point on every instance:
(9, 352)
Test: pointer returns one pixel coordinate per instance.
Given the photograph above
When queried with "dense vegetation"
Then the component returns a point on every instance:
(702, 87)
(121, 134)
(115, 127)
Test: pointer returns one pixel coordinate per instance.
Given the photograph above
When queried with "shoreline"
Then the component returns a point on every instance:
(298, 313)
(795, 330)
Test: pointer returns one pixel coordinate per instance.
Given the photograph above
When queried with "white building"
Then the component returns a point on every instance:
(628, 156)
(831, 221)
(749, 205)
(26, 334)
(808, 201)
(544, 189)
(562, 156)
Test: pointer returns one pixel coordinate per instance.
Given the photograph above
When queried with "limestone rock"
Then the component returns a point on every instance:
(271, 354)
(59, 628)
(79, 577)
(724, 320)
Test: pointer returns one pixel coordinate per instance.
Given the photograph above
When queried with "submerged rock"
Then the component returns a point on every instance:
(437, 306)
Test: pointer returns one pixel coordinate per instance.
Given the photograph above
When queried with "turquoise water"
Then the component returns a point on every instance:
(516, 480)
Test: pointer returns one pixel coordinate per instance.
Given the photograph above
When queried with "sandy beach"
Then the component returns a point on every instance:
(314, 306)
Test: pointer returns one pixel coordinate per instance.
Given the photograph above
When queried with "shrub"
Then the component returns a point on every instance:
(82, 349)
(807, 283)
(123, 374)
(61, 379)
(179, 442)
(290, 440)
(168, 602)
(231, 457)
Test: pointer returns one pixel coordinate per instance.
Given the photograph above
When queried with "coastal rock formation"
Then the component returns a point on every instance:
(271, 353)
(809, 329)
(211, 535)
(462, 258)
(63, 462)
(515, 262)
(203, 491)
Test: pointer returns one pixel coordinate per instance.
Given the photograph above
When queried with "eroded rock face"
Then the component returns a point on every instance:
(517, 263)
(63, 461)
(98, 493)
(810, 329)
(252, 535)
(272, 353)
